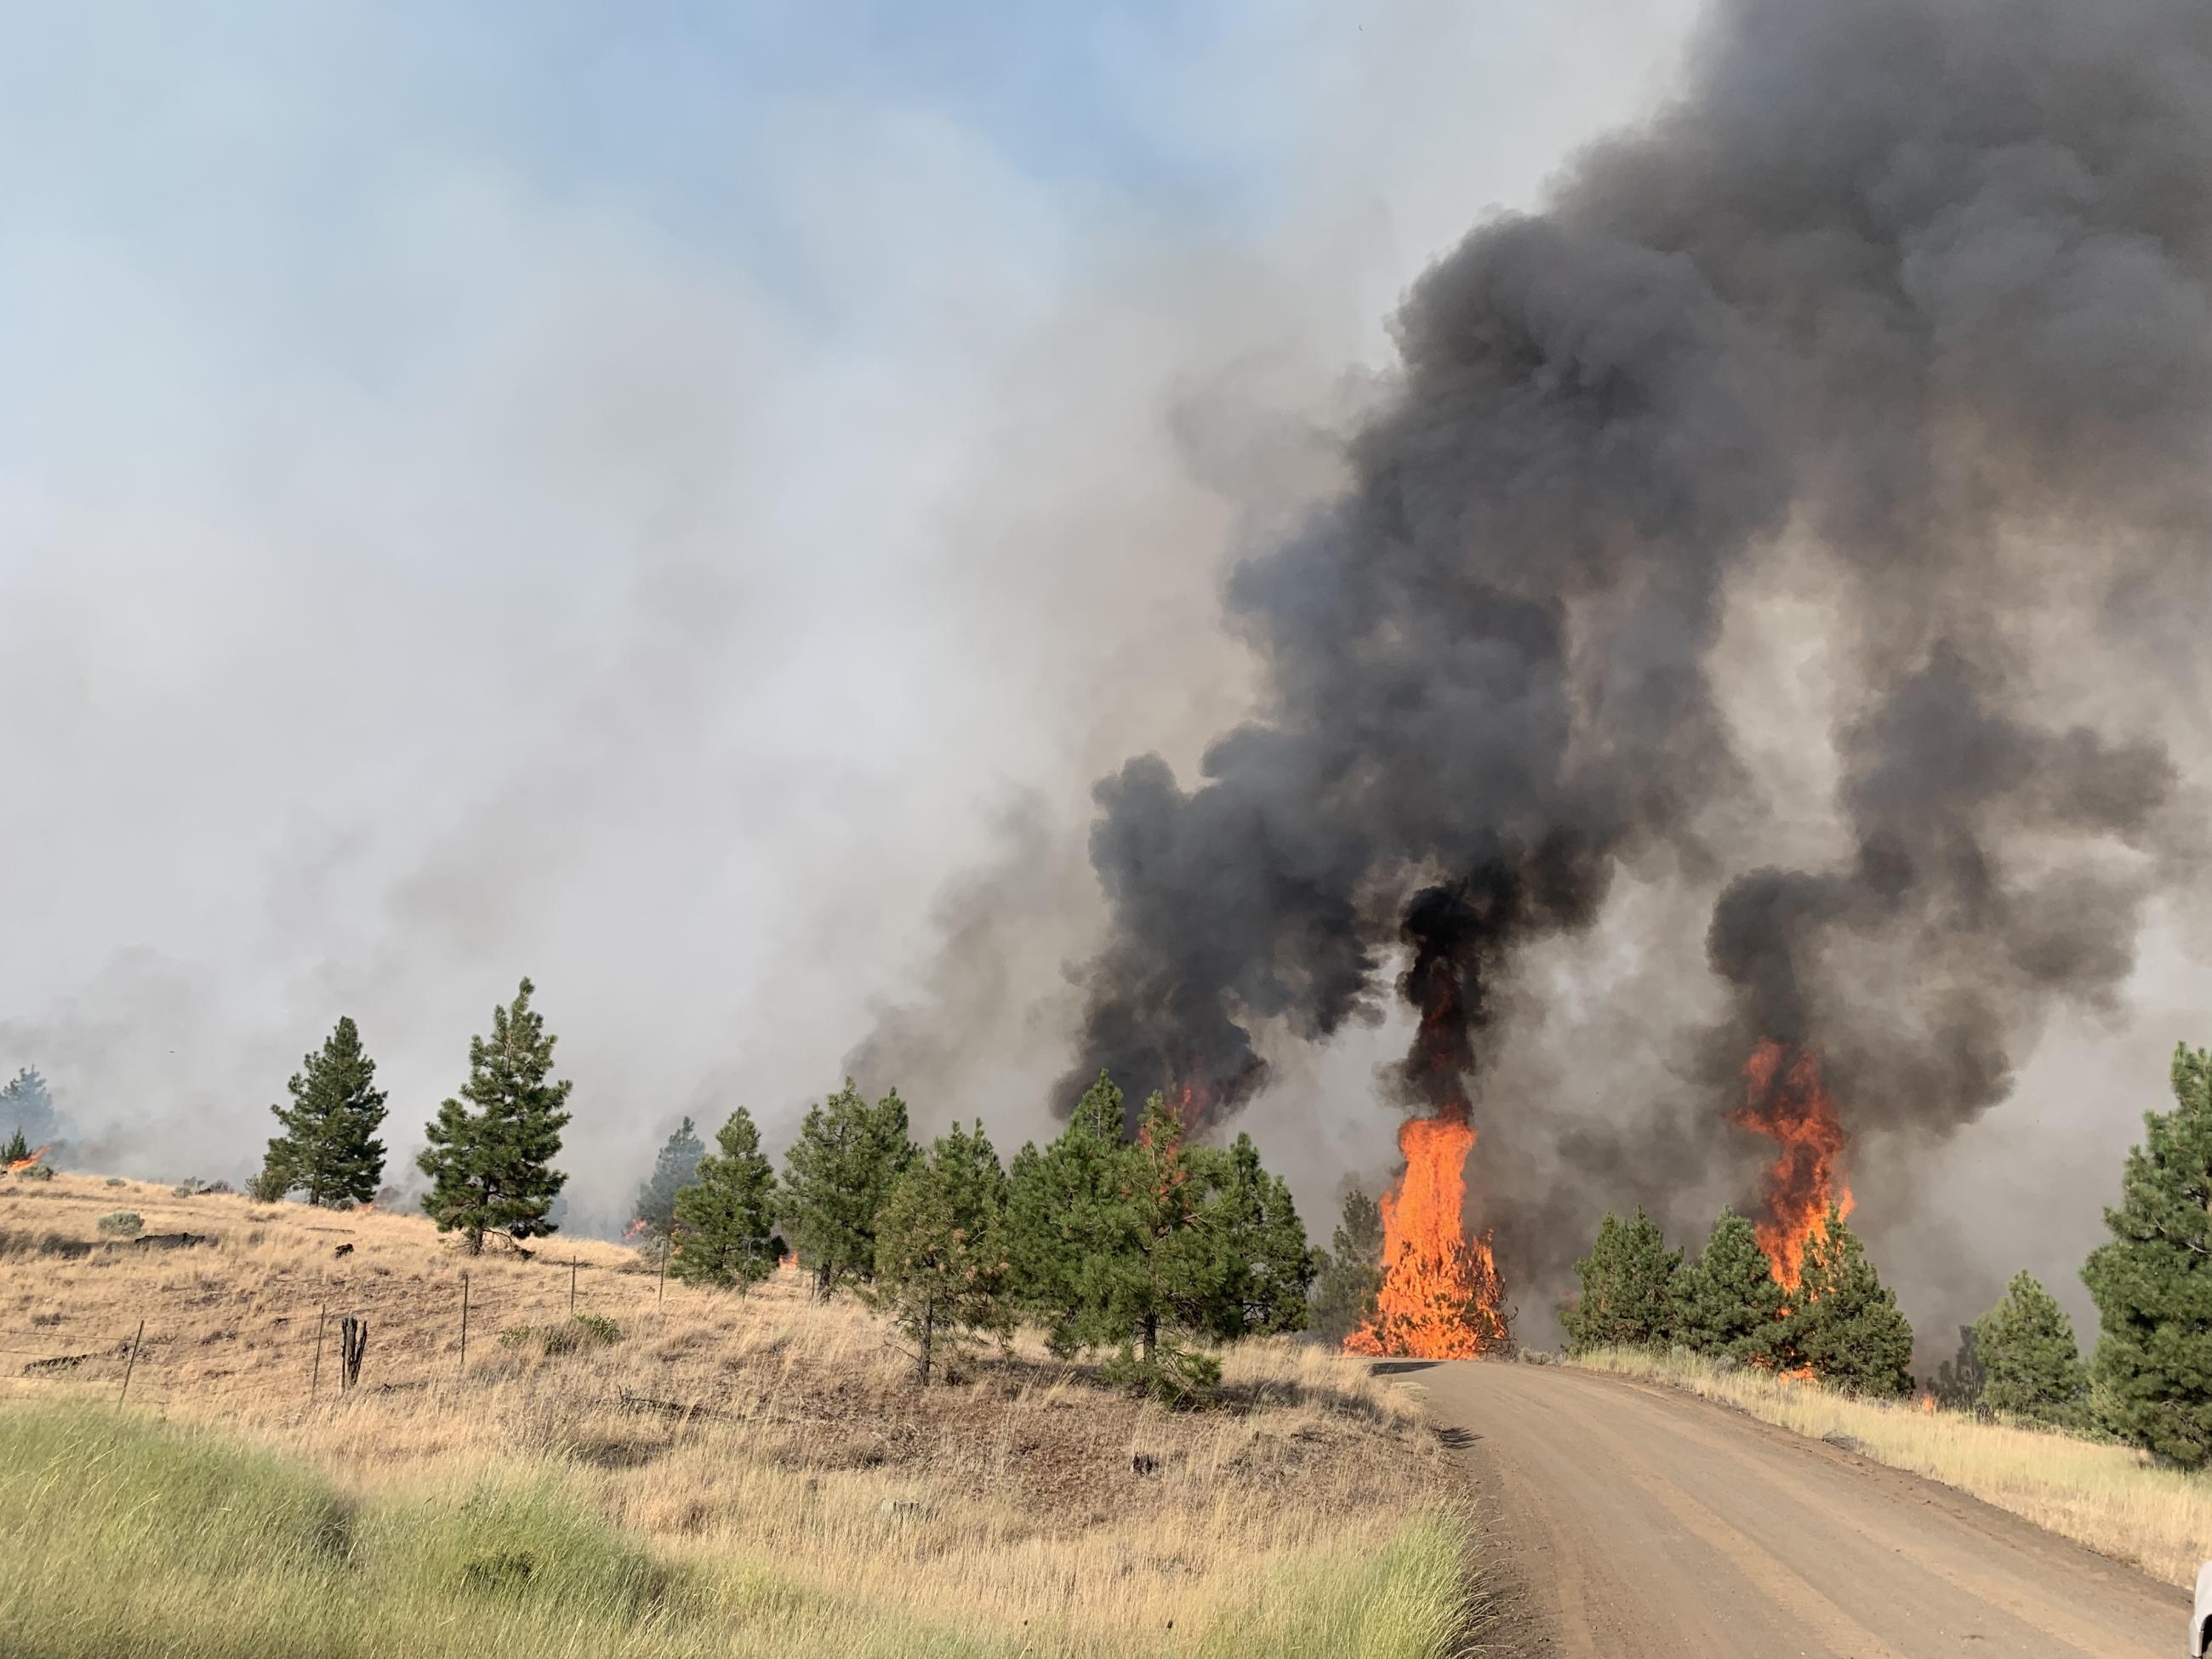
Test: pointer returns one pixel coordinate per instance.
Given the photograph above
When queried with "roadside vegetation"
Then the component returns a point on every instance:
(766, 1462)
(2116, 1499)
(890, 1398)
(2111, 1452)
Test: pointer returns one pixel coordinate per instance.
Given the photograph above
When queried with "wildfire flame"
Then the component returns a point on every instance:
(18, 1165)
(1440, 1296)
(635, 1231)
(1785, 1101)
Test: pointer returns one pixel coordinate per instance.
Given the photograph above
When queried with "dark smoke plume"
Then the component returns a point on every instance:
(1909, 299)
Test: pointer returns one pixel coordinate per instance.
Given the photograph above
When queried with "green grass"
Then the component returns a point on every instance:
(120, 1535)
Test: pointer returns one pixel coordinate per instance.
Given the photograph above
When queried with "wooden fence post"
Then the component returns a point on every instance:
(353, 1343)
(315, 1376)
(129, 1364)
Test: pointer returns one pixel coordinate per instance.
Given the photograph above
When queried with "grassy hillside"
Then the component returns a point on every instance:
(733, 1475)
(2111, 1497)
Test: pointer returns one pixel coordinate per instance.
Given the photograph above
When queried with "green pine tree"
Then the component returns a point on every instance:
(1726, 1303)
(328, 1150)
(2030, 1367)
(1177, 1277)
(676, 1167)
(1844, 1324)
(1270, 1264)
(2152, 1280)
(16, 1150)
(1627, 1287)
(1069, 1223)
(491, 1169)
(837, 1174)
(1350, 1278)
(941, 1265)
(723, 1222)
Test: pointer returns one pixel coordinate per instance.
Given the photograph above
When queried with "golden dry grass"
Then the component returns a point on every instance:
(2111, 1497)
(767, 1429)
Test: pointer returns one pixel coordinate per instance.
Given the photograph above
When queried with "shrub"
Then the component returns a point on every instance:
(36, 1172)
(577, 1332)
(122, 1224)
(1176, 1376)
(117, 1181)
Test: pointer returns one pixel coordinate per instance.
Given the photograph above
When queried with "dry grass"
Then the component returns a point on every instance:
(1010, 1507)
(2111, 1497)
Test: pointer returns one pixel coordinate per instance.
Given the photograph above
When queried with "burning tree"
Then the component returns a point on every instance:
(1440, 1296)
(1785, 1100)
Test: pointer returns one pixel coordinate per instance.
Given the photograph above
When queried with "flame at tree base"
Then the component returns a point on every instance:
(18, 1165)
(1441, 1297)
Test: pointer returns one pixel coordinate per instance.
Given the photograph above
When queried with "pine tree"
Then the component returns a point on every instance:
(1845, 1324)
(1627, 1287)
(2152, 1279)
(941, 1266)
(722, 1223)
(837, 1174)
(1069, 1221)
(16, 1150)
(26, 1106)
(1178, 1278)
(675, 1169)
(1958, 1382)
(328, 1150)
(492, 1168)
(1350, 1278)
(1726, 1303)
(1270, 1264)
(2025, 1345)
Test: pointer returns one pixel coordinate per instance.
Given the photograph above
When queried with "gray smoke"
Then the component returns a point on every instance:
(1907, 302)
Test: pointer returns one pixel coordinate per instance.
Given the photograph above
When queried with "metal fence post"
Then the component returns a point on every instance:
(315, 1376)
(130, 1365)
(572, 1287)
(464, 1322)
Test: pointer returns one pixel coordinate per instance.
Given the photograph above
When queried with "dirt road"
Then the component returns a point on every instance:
(1634, 1522)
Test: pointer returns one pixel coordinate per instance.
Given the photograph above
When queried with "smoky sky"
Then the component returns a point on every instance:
(1905, 307)
(641, 501)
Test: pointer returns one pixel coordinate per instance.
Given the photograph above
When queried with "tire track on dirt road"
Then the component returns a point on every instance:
(1629, 1519)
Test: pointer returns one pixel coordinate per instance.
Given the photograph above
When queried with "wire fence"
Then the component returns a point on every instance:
(329, 1347)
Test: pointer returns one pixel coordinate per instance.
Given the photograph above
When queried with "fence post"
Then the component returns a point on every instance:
(572, 1287)
(129, 1365)
(464, 1322)
(662, 1289)
(353, 1343)
(315, 1376)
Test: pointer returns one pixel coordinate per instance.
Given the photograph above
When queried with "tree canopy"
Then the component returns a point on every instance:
(490, 1160)
(722, 1221)
(327, 1149)
(837, 1174)
(2152, 1281)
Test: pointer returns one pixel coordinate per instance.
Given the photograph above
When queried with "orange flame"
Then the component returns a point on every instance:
(635, 1231)
(1790, 1106)
(20, 1164)
(1441, 1299)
